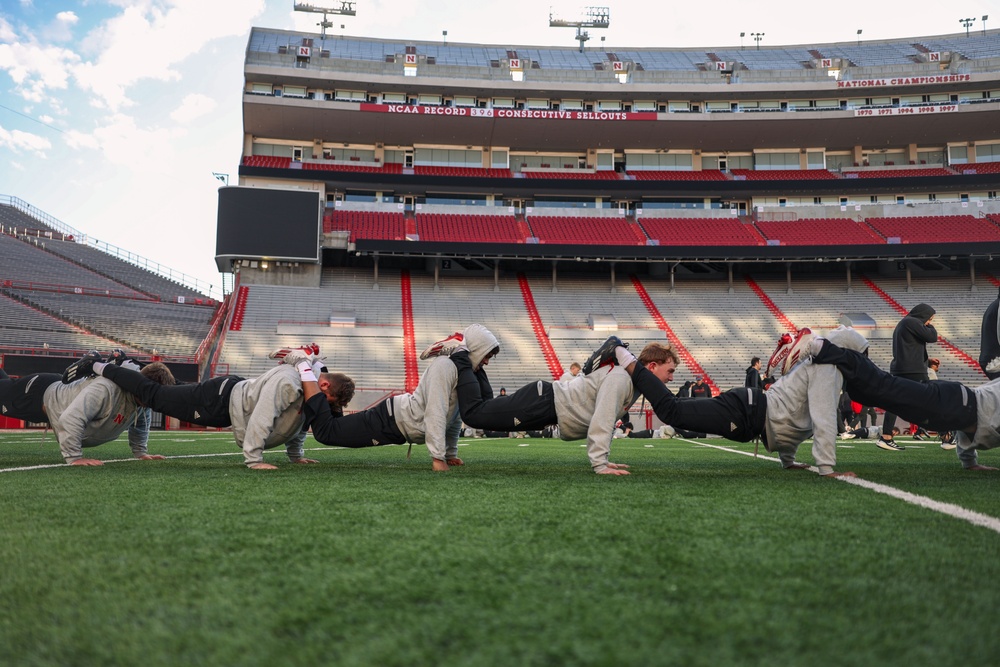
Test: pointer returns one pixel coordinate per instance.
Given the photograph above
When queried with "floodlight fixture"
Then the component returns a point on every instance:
(593, 17)
(859, 36)
(967, 23)
(742, 35)
(326, 7)
(985, 16)
(757, 36)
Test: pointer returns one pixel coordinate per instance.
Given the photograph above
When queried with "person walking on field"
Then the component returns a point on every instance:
(909, 359)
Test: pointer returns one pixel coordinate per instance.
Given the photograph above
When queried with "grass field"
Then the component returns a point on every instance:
(703, 556)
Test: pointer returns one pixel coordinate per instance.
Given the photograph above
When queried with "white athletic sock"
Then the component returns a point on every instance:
(99, 366)
(623, 357)
(305, 371)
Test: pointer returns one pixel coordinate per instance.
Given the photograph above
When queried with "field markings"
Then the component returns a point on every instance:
(950, 509)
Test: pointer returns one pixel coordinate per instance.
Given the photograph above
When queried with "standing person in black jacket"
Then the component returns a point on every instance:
(909, 358)
(989, 346)
(753, 374)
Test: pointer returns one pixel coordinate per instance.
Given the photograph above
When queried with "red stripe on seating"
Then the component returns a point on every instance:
(675, 342)
(409, 339)
(536, 325)
(770, 305)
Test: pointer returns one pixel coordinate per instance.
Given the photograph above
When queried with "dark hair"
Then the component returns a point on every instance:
(158, 373)
(341, 388)
(754, 360)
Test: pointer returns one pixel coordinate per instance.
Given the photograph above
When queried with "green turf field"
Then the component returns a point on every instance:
(703, 556)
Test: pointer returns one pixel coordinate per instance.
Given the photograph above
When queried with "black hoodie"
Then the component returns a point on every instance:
(909, 342)
(989, 345)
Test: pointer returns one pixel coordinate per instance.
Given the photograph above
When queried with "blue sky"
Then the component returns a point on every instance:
(115, 113)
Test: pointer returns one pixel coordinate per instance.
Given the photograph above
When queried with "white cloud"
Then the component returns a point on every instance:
(147, 40)
(36, 68)
(19, 141)
(61, 29)
(7, 33)
(123, 142)
(193, 106)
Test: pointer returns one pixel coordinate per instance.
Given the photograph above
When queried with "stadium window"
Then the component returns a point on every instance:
(817, 200)
(873, 199)
(900, 199)
(932, 197)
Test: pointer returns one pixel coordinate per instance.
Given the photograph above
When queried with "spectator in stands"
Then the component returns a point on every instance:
(429, 415)
(503, 391)
(685, 390)
(82, 414)
(801, 404)
(586, 408)
(967, 417)
(263, 412)
(989, 344)
(699, 389)
(909, 359)
(753, 375)
(572, 373)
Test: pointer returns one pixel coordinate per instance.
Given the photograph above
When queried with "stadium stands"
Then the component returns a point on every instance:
(367, 224)
(783, 174)
(676, 175)
(701, 231)
(818, 231)
(586, 231)
(468, 228)
(937, 229)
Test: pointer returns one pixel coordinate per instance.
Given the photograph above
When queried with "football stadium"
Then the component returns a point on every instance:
(394, 192)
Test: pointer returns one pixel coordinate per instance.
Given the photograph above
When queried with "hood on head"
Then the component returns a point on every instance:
(848, 339)
(480, 342)
(922, 312)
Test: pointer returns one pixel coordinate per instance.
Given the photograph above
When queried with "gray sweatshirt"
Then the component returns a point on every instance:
(589, 406)
(430, 414)
(91, 412)
(987, 424)
(267, 411)
(803, 403)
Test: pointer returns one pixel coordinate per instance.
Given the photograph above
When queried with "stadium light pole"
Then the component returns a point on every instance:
(985, 16)
(859, 36)
(757, 36)
(224, 178)
(966, 23)
(742, 35)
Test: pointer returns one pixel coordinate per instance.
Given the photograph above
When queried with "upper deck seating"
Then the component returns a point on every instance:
(468, 228)
(818, 231)
(677, 175)
(606, 175)
(897, 173)
(586, 231)
(700, 231)
(937, 229)
(782, 174)
(381, 225)
(426, 170)
(267, 161)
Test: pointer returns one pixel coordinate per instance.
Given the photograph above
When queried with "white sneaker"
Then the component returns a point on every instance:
(847, 436)
(667, 431)
(799, 350)
(311, 351)
(993, 366)
(444, 347)
(779, 354)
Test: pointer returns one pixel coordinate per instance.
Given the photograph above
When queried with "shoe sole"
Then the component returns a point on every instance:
(882, 445)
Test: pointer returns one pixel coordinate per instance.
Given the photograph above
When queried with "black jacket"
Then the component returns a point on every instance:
(753, 378)
(989, 345)
(909, 342)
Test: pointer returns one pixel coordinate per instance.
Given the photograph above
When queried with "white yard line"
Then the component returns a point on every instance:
(955, 511)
